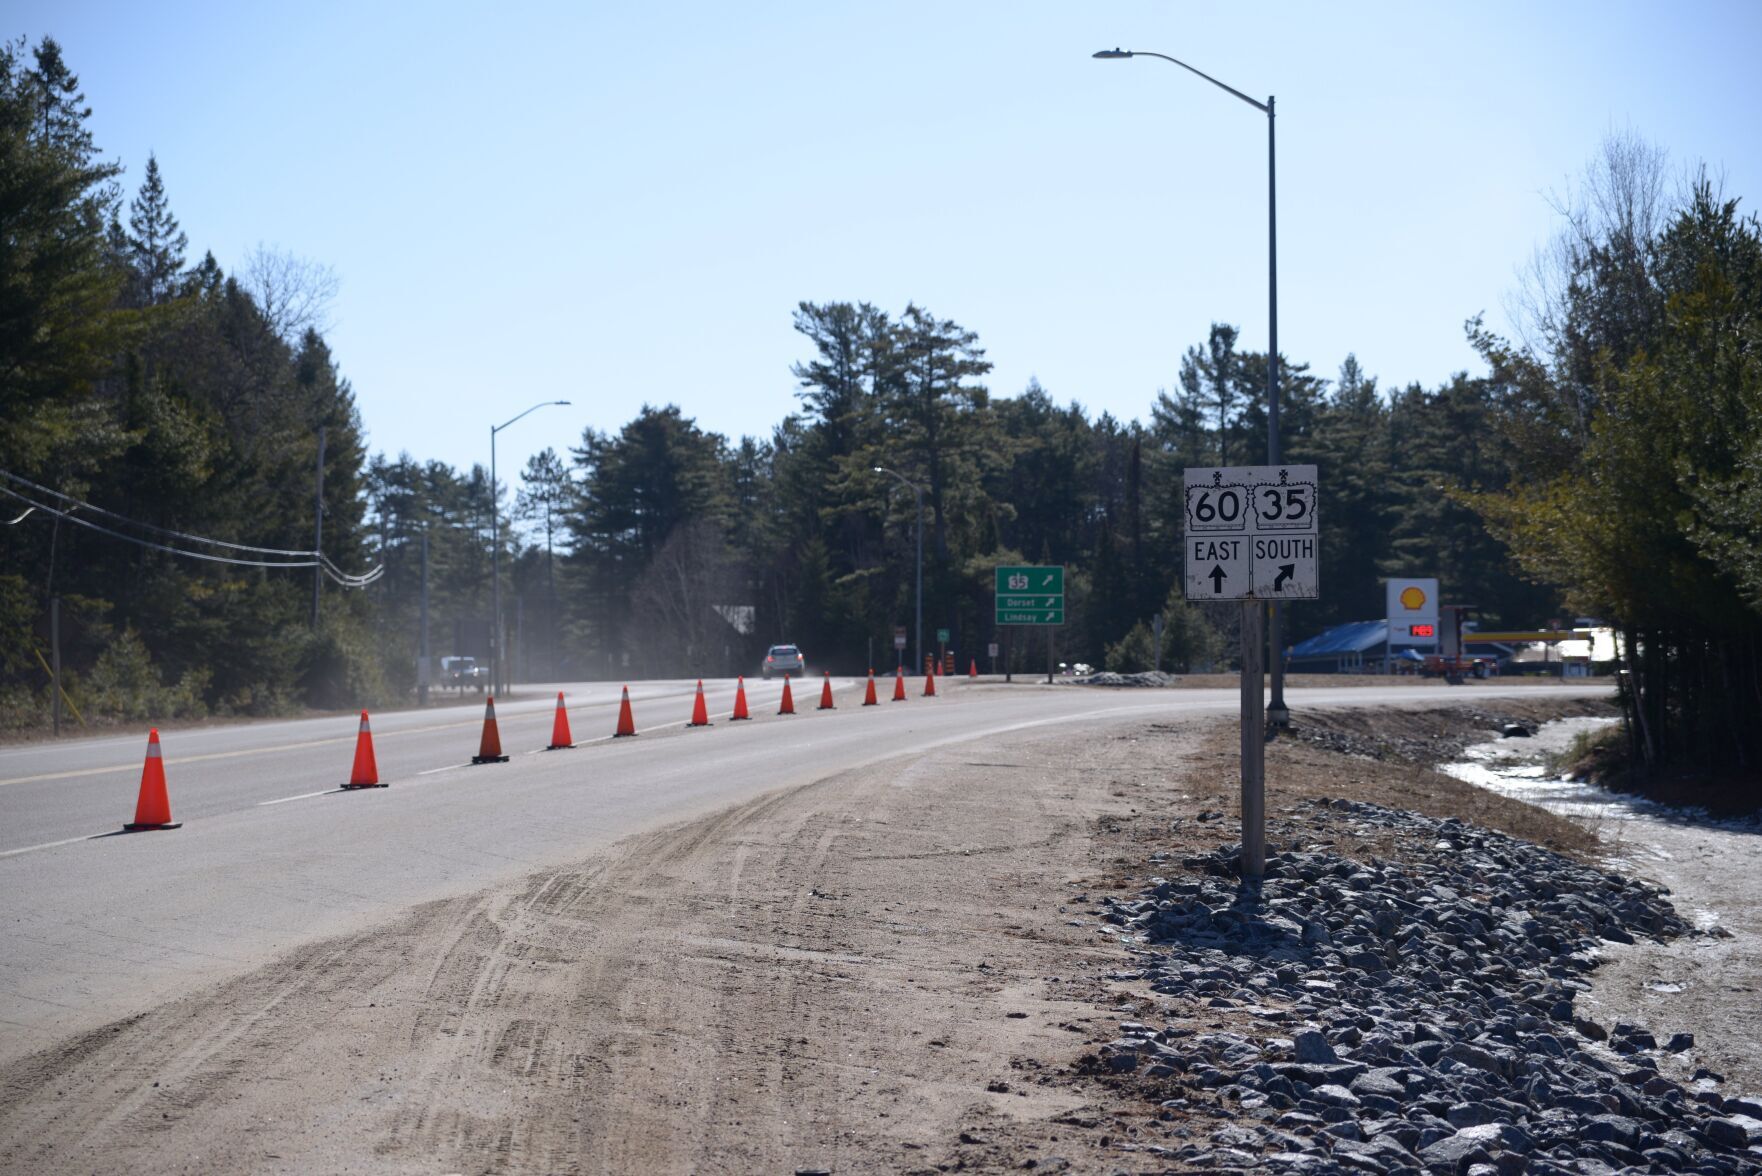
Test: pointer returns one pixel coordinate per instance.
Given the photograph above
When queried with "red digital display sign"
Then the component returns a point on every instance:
(1422, 630)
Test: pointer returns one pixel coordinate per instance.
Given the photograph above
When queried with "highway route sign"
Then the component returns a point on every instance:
(1252, 533)
(1030, 596)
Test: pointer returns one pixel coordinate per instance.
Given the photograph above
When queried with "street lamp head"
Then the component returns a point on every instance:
(1111, 54)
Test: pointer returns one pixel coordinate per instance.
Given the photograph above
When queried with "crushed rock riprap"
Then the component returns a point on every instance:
(1409, 1015)
(1109, 678)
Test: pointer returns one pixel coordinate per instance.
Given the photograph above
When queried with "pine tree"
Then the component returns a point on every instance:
(60, 108)
(1210, 378)
(58, 332)
(155, 242)
(543, 493)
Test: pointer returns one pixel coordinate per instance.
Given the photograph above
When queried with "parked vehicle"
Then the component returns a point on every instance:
(1455, 670)
(463, 673)
(785, 660)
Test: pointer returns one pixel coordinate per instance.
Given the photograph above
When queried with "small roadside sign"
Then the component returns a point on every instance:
(899, 637)
(942, 636)
(991, 649)
(1030, 595)
(1252, 533)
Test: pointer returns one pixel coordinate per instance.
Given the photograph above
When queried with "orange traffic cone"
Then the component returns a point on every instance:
(788, 705)
(826, 692)
(489, 749)
(739, 702)
(700, 717)
(153, 807)
(626, 720)
(973, 669)
(869, 698)
(560, 736)
(365, 773)
(929, 685)
(898, 686)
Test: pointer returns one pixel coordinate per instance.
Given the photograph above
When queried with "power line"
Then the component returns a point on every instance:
(309, 559)
(82, 505)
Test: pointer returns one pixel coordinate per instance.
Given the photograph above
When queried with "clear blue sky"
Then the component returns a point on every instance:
(616, 204)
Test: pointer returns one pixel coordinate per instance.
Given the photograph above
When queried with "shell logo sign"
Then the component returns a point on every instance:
(1413, 612)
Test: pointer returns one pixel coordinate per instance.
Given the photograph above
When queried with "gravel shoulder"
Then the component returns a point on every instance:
(890, 969)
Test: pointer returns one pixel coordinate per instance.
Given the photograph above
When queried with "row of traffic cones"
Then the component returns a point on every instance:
(153, 805)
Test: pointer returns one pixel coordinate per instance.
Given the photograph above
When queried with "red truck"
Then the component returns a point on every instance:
(1455, 670)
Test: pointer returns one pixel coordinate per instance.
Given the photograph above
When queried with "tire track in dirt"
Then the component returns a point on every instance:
(828, 976)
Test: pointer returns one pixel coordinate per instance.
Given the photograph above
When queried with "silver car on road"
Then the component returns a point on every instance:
(785, 660)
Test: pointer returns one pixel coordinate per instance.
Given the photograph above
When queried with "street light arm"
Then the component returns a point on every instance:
(900, 478)
(494, 429)
(1263, 107)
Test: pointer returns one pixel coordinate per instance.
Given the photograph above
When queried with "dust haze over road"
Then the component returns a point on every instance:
(272, 858)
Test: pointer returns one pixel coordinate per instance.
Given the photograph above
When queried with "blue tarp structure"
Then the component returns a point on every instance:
(1354, 638)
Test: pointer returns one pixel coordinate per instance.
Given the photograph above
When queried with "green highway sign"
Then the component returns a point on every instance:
(1030, 595)
(1030, 581)
(1033, 616)
(942, 636)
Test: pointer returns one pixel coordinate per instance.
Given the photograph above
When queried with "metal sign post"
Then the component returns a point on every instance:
(1252, 536)
(1253, 747)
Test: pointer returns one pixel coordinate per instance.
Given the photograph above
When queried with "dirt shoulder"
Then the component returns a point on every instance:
(889, 969)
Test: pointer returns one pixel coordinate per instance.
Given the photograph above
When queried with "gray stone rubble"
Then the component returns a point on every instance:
(1109, 678)
(1411, 1016)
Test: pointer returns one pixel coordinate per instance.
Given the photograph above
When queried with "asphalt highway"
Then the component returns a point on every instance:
(98, 924)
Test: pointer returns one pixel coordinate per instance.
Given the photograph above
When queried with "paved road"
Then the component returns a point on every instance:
(71, 789)
(272, 855)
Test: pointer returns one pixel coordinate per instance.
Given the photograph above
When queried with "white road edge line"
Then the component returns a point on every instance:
(656, 727)
(48, 844)
(302, 796)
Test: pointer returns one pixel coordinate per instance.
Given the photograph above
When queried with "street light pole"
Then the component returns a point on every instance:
(495, 554)
(1276, 714)
(919, 491)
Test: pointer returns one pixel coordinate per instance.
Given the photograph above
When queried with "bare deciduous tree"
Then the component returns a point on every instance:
(1590, 290)
(680, 601)
(293, 292)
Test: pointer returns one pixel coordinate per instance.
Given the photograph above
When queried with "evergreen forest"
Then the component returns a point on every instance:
(183, 469)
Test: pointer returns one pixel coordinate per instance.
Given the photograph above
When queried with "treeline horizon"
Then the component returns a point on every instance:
(182, 397)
